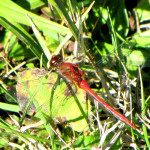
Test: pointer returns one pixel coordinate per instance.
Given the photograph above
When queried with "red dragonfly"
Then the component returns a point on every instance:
(73, 73)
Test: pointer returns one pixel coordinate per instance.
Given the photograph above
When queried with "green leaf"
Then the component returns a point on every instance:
(31, 4)
(55, 101)
(9, 107)
(23, 35)
(17, 14)
(143, 10)
(64, 14)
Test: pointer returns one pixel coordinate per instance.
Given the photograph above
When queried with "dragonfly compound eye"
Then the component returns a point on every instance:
(56, 59)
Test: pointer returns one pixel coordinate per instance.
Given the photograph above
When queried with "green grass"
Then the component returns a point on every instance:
(114, 59)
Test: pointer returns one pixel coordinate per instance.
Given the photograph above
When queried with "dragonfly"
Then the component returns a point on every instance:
(72, 72)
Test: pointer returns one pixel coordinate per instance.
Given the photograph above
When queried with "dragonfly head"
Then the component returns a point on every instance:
(55, 60)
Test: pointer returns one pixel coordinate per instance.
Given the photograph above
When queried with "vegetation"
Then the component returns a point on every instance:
(109, 39)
